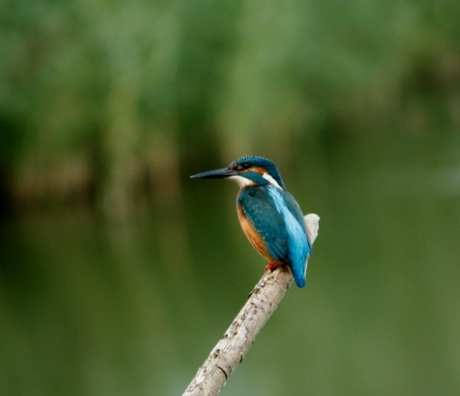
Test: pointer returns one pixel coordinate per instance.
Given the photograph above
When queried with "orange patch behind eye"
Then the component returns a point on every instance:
(258, 170)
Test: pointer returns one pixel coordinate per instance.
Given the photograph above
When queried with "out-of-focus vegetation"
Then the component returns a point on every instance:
(101, 100)
(106, 103)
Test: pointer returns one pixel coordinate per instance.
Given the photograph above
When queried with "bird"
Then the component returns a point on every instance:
(269, 215)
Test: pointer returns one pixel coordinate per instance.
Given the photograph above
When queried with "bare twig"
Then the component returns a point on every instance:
(239, 337)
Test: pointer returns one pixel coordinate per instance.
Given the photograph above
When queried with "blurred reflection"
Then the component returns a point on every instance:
(92, 307)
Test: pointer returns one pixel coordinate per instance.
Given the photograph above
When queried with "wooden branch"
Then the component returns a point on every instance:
(233, 346)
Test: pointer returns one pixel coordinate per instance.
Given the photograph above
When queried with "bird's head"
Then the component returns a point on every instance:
(248, 171)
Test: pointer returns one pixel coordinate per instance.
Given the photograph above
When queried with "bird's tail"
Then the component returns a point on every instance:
(312, 225)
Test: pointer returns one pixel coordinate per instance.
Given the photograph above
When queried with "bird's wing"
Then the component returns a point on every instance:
(278, 219)
(259, 209)
(294, 208)
(299, 245)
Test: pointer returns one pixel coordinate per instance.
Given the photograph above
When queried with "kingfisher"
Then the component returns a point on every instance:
(268, 214)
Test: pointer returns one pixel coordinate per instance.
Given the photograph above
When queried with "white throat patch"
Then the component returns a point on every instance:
(242, 181)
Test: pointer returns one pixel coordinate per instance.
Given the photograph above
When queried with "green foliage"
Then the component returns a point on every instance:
(115, 85)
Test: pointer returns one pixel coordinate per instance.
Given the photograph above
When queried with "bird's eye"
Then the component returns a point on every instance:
(236, 167)
(240, 167)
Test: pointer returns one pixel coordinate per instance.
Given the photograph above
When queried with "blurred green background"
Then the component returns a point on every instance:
(118, 273)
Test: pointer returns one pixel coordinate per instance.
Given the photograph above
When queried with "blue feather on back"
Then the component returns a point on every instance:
(278, 219)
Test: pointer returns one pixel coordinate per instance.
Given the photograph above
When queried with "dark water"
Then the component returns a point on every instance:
(89, 307)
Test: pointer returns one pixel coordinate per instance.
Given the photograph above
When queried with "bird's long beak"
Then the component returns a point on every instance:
(215, 174)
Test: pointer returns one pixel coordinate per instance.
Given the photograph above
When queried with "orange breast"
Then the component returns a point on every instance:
(253, 236)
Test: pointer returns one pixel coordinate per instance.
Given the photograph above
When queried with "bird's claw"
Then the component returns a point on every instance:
(271, 266)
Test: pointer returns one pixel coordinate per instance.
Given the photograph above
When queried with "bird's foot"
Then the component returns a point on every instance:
(271, 266)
